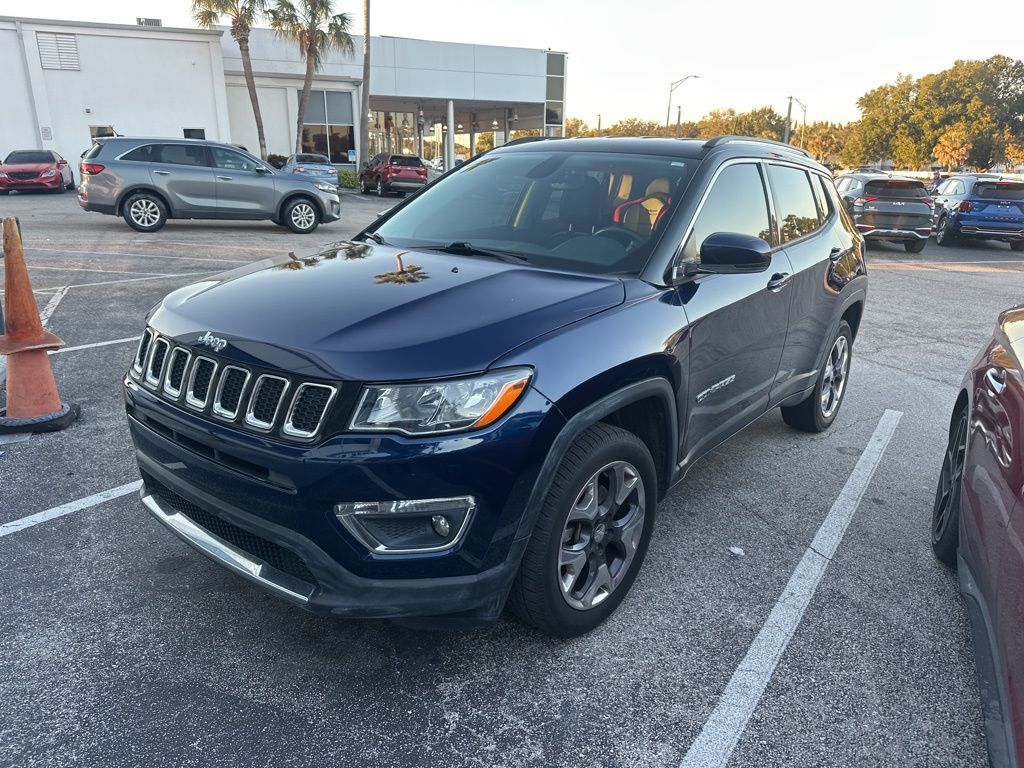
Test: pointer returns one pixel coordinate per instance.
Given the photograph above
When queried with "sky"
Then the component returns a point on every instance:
(623, 56)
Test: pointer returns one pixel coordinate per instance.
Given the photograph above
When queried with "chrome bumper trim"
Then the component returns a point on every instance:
(971, 230)
(901, 233)
(227, 555)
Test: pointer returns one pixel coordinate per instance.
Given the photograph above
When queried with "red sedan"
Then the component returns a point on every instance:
(978, 526)
(35, 169)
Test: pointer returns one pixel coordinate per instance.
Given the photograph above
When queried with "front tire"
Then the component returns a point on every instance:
(817, 412)
(914, 246)
(943, 234)
(591, 537)
(144, 212)
(380, 188)
(301, 216)
(946, 511)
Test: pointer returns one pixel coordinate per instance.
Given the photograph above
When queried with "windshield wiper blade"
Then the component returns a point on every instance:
(375, 237)
(468, 249)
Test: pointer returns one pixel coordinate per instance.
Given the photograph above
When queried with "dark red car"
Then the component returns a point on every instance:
(978, 526)
(35, 169)
(386, 174)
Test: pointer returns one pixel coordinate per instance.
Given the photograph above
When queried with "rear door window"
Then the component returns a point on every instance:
(736, 203)
(180, 154)
(821, 196)
(795, 209)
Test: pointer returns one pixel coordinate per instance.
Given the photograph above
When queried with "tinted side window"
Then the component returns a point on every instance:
(141, 154)
(821, 196)
(842, 184)
(180, 154)
(227, 160)
(736, 203)
(794, 202)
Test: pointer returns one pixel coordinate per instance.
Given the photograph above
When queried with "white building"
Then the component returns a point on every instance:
(68, 82)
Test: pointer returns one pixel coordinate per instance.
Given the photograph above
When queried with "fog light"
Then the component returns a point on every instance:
(411, 525)
(441, 526)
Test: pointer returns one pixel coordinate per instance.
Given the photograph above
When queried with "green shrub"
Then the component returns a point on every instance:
(348, 179)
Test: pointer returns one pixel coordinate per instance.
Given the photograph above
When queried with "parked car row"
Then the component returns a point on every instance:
(968, 206)
(35, 169)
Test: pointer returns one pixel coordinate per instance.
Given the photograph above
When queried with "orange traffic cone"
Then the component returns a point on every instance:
(33, 404)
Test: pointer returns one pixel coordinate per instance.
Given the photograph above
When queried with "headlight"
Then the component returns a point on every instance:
(49, 173)
(435, 407)
(323, 186)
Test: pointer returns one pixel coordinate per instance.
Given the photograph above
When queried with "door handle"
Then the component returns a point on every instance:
(225, 178)
(835, 254)
(779, 281)
(995, 378)
(162, 173)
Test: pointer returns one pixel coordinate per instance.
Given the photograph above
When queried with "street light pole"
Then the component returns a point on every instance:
(789, 120)
(679, 119)
(598, 123)
(671, 89)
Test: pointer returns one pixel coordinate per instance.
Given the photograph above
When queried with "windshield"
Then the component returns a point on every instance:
(591, 212)
(312, 159)
(20, 158)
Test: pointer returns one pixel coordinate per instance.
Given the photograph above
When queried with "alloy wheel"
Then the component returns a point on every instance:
(949, 480)
(303, 215)
(144, 212)
(601, 535)
(834, 380)
(380, 188)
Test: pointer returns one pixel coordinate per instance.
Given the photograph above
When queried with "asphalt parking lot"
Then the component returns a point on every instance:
(120, 646)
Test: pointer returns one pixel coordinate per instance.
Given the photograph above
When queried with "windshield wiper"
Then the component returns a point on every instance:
(468, 249)
(375, 237)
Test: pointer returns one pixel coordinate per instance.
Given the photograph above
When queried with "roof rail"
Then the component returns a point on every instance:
(719, 140)
(527, 140)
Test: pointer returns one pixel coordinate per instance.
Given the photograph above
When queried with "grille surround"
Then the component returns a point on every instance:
(302, 409)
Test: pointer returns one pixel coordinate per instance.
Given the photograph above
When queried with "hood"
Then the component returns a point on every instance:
(377, 313)
(27, 167)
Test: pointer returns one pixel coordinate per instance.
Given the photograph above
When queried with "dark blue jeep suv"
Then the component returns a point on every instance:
(484, 396)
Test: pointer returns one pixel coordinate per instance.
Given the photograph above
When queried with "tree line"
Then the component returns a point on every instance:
(968, 116)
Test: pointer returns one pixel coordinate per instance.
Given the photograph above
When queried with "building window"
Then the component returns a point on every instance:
(327, 127)
(194, 133)
(57, 51)
(554, 110)
(101, 132)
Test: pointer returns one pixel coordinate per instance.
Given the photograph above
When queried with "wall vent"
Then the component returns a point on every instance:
(57, 51)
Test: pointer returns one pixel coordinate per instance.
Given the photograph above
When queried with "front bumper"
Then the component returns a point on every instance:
(283, 535)
(38, 183)
(331, 205)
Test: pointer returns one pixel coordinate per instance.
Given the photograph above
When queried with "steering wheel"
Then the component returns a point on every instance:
(621, 234)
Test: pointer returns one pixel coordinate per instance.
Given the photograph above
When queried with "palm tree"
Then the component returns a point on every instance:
(313, 25)
(243, 14)
(364, 101)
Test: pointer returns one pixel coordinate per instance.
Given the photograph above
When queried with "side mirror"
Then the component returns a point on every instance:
(729, 253)
(262, 169)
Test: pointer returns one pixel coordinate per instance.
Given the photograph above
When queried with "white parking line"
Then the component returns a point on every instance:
(93, 345)
(89, 269)
(66, 509)
(143, 255)
(132, 280)
(717, 740)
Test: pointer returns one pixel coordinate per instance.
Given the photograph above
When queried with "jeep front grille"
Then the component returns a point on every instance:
(262, 402)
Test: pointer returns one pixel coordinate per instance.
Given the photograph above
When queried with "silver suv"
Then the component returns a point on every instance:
(148, 181)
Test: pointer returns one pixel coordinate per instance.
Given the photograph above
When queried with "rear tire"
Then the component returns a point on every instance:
(301, 216)
(590, 539)
(144, 212)
(914, 246)
(1017, 245)
(380, 188)
(946, 510)
(817, 412)
(943, 235)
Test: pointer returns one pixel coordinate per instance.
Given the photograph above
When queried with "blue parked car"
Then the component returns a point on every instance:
(308, 164)
(980, 207)
(484, 397)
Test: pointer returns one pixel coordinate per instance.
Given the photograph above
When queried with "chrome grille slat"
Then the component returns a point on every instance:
(199, 368)
(263, 390)
(308, 423)
(143, 351)
(157, 356)
(177, 366)
(227, 380)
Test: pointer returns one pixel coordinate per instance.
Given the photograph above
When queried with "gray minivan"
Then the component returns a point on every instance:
(148, 181)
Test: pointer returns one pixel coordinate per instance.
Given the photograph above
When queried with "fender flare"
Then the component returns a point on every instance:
(593, 413)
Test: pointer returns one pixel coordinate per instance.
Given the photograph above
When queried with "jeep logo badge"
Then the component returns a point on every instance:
(216, 343)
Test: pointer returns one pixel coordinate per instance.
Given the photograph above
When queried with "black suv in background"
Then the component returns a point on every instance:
(887, 207)
(486, 395)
